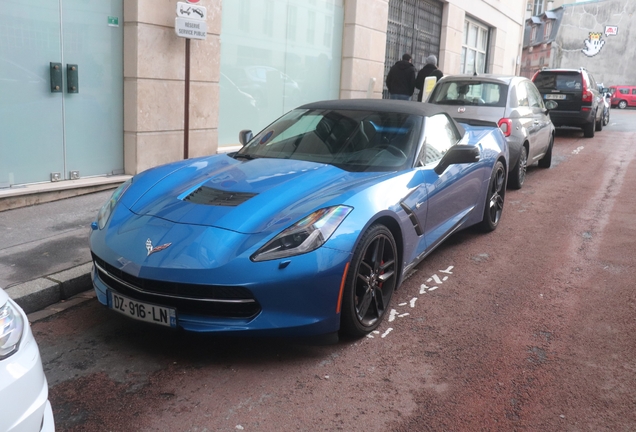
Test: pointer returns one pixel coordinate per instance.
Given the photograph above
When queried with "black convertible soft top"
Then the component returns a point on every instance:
(383, 105)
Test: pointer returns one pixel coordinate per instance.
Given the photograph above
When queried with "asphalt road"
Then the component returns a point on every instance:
(530, 327)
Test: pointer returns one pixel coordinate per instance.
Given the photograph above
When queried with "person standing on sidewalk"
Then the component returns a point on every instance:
(429, 69)
(401, 79)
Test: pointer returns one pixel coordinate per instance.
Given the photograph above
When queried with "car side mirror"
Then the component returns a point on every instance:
(245, 136)
(458, 154)
(550, 105)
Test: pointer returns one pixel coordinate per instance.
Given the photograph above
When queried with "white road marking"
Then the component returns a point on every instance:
(413, 300)
(577, 150)
(392, 315)
(448, 270)
(389, 330)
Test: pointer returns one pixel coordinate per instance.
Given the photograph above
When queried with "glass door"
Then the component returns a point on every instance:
(61, 90)
(32, 136)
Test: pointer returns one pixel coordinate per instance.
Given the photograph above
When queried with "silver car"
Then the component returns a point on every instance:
(511, 102)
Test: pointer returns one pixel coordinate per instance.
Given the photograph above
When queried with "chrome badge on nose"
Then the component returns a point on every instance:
(152, 249)
(461, 109)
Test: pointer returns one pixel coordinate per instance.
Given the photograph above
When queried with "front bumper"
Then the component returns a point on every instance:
(296, 299)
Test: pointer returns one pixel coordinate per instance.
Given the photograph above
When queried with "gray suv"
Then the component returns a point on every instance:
(580, 104)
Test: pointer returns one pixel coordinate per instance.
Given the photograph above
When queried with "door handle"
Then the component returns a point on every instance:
(72, 78)
(56, 77)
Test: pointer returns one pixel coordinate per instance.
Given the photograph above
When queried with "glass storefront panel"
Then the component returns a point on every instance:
(275, 56)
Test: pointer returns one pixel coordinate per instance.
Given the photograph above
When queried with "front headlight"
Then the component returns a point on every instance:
(304, 236)
(11, 328)
(107, 208)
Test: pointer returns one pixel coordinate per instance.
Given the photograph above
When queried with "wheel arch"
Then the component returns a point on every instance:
(396, 231)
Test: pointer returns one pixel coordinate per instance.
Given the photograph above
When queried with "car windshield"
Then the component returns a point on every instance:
(351, 140)
(470, 93)
(558, 81)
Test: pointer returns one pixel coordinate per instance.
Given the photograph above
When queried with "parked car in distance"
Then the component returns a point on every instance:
(580, 104)
(511, 102)
(623, 96)
(24, 403)
(307, 230)
(607, 97)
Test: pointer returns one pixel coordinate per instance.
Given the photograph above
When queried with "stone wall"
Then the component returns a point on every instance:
(583, 41)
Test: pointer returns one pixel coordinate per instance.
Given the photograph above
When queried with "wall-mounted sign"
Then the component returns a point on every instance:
(611, 30)
(113, 21)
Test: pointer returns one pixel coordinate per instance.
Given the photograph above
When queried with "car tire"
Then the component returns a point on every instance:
(546, 160)
(588, 130)
(518, 173)
(622, 104)
(606, 117)
(370, 282)
(599, 124)
(495, 195)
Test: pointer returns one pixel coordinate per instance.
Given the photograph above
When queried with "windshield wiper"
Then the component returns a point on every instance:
(244, 156)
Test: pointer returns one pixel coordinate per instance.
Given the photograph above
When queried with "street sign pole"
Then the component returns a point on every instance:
(186, 114)
(189, 24)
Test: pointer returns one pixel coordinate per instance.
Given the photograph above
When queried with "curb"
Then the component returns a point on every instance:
(40, 293)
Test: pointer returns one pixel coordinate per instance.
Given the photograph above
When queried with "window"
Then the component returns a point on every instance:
(470, 93)
(533, 35)
(441, 135)
(474, 48)
(634, 91)
(292, 18)
(522, 96)
(538, 7)
(623, 91)
(547, 30)
(534, 97)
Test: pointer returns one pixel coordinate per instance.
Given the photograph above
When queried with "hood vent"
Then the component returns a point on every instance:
(209, 196)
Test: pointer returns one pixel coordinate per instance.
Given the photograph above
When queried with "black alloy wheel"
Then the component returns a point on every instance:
(494, 199)
(370, 283)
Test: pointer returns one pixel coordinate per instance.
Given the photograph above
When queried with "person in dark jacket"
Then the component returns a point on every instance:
(429, 69)
(401, 79)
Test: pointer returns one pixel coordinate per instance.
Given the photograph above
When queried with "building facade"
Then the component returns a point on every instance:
(93, 91)
(595, 34)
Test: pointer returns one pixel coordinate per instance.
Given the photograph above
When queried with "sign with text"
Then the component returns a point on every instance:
(190, 28)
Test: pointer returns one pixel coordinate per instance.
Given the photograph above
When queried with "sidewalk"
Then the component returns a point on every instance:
(44, 252)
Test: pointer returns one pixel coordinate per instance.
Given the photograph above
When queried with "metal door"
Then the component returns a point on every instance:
(61, 90)
(414, 27)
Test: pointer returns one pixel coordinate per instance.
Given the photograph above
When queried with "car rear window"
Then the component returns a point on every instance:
(558, 81)
(470, 93)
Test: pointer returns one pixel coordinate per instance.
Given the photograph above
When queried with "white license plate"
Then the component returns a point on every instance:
(555, 96)
(143, 311)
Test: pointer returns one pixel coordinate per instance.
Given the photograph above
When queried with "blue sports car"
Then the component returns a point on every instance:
(307, 230)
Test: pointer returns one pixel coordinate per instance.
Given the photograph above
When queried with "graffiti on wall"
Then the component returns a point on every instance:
(593, 44)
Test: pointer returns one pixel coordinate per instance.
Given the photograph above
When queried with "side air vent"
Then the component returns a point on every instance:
(210, 196)
(413, 218)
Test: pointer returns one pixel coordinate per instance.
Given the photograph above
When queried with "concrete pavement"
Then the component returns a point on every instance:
(44, 253)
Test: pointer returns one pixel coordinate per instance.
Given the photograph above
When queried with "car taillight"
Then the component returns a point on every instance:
(586, 95)
(505, 124)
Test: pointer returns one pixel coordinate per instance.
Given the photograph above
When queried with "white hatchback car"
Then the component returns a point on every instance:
(24, 391)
